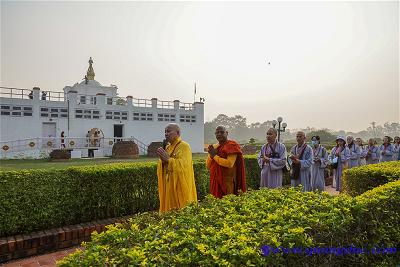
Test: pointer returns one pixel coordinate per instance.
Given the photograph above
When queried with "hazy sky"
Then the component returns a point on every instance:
(333, 64)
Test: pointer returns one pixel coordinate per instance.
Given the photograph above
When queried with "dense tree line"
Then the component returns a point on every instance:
(243, 132)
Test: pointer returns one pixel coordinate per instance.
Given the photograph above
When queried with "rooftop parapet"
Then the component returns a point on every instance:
(37, 93)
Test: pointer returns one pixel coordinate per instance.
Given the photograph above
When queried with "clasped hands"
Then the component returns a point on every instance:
(294, 159)
(162, 154)
(212, 151)
(266, 159)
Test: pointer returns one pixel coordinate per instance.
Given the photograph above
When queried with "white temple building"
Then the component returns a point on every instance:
(92, 117)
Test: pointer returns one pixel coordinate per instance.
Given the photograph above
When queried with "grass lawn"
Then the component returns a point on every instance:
(20, 164)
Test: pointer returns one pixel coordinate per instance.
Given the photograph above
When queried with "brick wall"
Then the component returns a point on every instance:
(20, 246)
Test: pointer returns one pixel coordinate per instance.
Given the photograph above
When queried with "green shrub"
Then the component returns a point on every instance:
(361, 179)
(231, 231)
(42, 199)
(381, 217)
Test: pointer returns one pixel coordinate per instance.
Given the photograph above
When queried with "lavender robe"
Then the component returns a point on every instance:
(396, 152)
(374, 157)
(388, 156)
(271, 173)
(343, 160)
(318, 168)
(305, 165)
(355, 153)
(362, 161)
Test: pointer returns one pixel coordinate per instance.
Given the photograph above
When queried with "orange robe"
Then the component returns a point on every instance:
(176, 186)
(227, 171)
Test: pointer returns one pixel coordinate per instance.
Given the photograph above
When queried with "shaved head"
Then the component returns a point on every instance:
(301, 133)
(300, 137)
(271, 135)
(174, 126)
(220, 128)
(221, 134)
(172, 131)
(273, 130)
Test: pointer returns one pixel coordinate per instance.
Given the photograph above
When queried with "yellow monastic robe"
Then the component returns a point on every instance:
(176, 186)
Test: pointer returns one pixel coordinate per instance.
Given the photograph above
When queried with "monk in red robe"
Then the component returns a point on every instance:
(226, 165)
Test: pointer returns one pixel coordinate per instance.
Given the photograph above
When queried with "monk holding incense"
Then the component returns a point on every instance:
(176, 186)
(226, 165)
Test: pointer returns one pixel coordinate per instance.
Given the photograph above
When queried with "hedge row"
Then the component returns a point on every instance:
(232, 232)
(361, 179)
(41, 199)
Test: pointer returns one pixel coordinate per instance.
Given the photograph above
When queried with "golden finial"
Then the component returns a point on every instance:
(90, 72)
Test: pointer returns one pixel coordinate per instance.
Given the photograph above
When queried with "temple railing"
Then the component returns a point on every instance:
(22, 93)
(71, 143)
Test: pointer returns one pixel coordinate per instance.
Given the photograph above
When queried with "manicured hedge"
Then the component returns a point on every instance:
(232, 231)
(42, 199)
(361, 179)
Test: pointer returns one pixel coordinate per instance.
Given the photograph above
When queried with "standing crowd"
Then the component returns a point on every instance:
(306, 164)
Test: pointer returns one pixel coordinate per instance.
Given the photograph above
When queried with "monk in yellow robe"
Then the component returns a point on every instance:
(176, 186)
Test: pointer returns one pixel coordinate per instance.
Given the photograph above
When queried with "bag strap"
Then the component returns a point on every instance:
(273, 150)
(302, 151)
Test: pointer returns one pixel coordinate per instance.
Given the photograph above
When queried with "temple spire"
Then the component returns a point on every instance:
(90, 72)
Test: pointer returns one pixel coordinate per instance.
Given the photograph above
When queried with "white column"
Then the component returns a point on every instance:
(176, 104)
(36, 93)
(154, 102)
(36, 103)
(100, 100)
(101, 105)
(130, 107)
(129, 101)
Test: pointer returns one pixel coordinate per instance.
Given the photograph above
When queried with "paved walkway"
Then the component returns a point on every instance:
(331, 190)
(47, 260)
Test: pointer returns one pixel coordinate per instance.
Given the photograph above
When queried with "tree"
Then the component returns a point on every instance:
(209, 129)
(120, 102)
(324, 135)
(239, 130)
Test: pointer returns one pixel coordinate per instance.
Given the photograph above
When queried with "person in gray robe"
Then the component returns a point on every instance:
(272, 159)
(398, 155)
(372, 152)
(396, 145)
(301, 158)
(386, 150)
(355, 152)
(362, 161)
(339, 159)
(319, 164)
